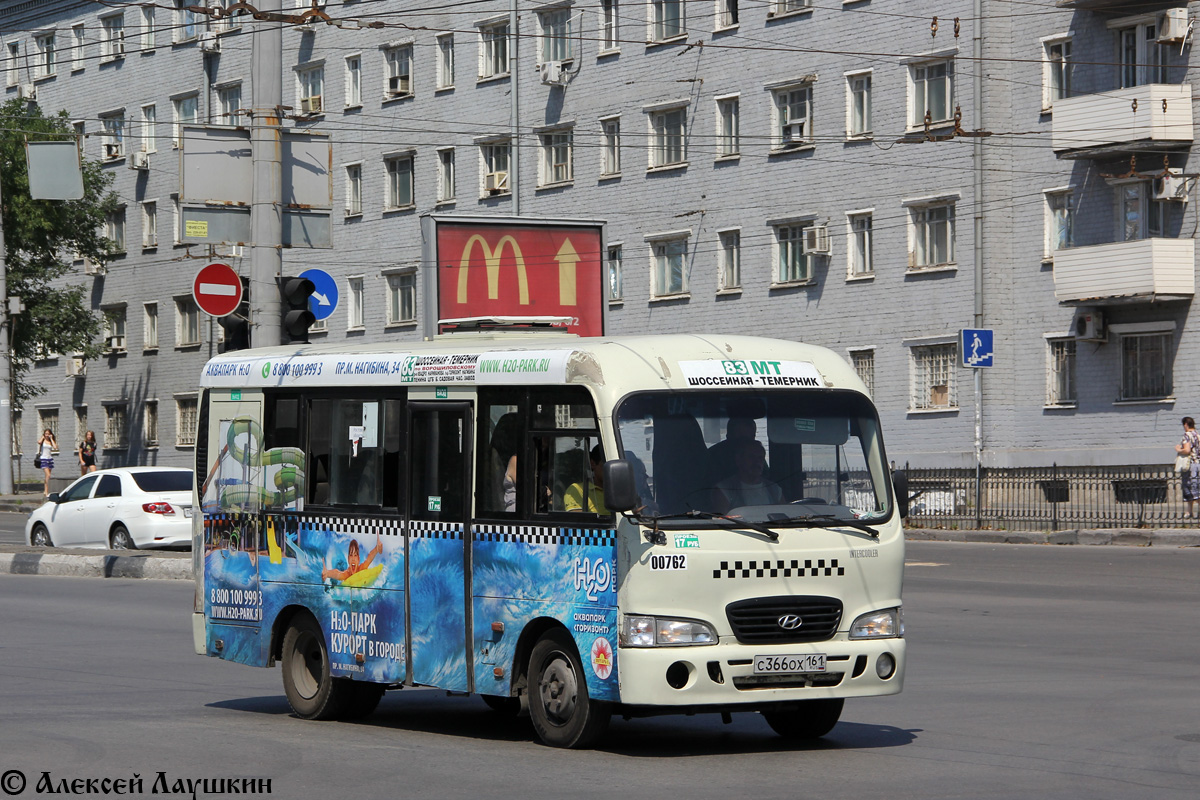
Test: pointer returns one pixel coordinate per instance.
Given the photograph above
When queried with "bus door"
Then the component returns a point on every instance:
(439, 553)
(231, 497)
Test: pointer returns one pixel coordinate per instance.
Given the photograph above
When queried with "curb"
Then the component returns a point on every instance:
(1129, 537)
(37, 561)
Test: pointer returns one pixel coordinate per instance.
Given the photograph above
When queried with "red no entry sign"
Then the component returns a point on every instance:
(217, 290)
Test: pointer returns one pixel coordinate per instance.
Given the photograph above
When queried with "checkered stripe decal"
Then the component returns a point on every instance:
(529, 534)
(355, 526)
(418, 529)
(777, 569)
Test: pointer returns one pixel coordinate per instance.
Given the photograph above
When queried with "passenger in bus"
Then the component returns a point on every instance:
(573, 497)
(504, 456)
(721, 455)
(353, 565)
(749, 486)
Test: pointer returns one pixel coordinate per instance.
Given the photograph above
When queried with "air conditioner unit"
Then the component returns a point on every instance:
(139, 160)
(26, 91)
(816, 240)
(1089, 325)
(311, 105)
(793, 133)
(552, 73)
(113, 150)
(1171, 187)
(496, 182)
(1175, 25)
(92, 268)
(116, 343)
(209, 42)
(398, 85)
(76, 367)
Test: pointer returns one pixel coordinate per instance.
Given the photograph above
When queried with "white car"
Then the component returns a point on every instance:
(123, 509)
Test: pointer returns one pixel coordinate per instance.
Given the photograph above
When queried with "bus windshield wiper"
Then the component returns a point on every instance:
(829, 521)
(738, 522)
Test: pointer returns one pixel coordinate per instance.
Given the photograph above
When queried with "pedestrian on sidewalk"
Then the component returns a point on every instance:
(1189, 446)
(87, 453)
(46, 447)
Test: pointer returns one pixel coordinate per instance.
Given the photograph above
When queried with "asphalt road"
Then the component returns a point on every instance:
(12, 528)
(1034, 671)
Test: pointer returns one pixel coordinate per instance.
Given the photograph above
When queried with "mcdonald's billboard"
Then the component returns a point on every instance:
(526, 270)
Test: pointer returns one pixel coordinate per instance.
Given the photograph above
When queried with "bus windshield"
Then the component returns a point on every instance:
(781, 458)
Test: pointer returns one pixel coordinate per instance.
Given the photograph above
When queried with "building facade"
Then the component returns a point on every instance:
(863, 175)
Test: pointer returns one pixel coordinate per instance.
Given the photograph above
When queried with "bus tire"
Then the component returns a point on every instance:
(812, 720)
(362, 697)
(311, 691)
(563, 715)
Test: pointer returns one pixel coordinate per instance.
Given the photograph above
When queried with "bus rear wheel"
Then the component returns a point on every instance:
(311, 691)
(812, 720)
(562, 712)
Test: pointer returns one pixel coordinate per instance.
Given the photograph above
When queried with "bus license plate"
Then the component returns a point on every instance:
(782, 665)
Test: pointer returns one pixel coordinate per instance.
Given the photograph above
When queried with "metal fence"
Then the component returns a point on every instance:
(1047, 498)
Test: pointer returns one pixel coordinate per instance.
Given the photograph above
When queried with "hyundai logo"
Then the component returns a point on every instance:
(789, 622)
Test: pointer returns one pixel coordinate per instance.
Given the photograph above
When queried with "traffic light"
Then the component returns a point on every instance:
(237, 325)
(297, 317)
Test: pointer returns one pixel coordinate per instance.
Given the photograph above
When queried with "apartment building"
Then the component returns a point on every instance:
(865, 175)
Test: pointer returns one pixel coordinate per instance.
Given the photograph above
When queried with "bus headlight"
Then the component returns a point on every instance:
(886, 624)
(664, 632)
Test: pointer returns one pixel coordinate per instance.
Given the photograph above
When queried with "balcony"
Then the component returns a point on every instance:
(1155, 116)
(1143, 270)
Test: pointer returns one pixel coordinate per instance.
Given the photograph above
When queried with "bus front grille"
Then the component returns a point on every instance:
(784, 620)
(803, 680)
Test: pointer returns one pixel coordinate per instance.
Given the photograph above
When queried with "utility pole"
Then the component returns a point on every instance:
(6, 462)
(266, 206)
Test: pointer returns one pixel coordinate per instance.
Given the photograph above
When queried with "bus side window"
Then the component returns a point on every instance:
(499, 443)
(318, 451)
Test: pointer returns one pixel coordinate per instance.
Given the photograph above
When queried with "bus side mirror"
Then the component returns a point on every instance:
(900, 485)
(620, 491)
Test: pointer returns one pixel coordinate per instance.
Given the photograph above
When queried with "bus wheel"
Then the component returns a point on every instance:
(508, 707)
(812, 720)
(361, 697)
(563, 714)
(311, 691)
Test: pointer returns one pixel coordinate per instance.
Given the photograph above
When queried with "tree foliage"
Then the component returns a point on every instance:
(41, 239)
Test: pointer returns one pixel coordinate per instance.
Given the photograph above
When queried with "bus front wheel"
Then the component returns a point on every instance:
(812, 720)
(563, 715)
(311, 691)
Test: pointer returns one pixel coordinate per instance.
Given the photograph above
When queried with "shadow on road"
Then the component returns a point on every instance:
(430, 711)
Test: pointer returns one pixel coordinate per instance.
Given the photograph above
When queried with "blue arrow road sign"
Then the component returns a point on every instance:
(325, 296)
(977, 347)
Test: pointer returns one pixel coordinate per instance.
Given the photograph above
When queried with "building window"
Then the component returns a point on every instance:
(150, 326)
(863, 362)
(932, 235)
(188, 23)
(669, 260)
(112, 143)
(48, 418)
(556, 157)
(1141, 58)
(445, 65)
(616, 278)
(793, 122)
(609, 25)
(932, 92)
(859, 88)
(495, 157)
(668, 129)
(402, 298)
(114, 229)
(779, 8)
(611, 146)
(446, 184)
(186, 109)
(353, 190)
(149, 136)
(1060, 221)
(112, 37)
(114, 329)
(792, 264)
(730, 261)
(558, 39)
(728, 127)
(78, 43)
(668, 20)
(229, 103)
(1140, 215)
(310, 89)
(1056, 72)
(353, 81)
(1060, 374)
(186, 416)
(150, 423)
(398, 68)
(933, 368)
(493, 49)
(399, 182)
(45, 65)
(147, 42)
(354, 303)
(861, 245)
(81, 423)
(727, 14)
(1145, 366)
(176, 220)
(149, 224)
(187, 322)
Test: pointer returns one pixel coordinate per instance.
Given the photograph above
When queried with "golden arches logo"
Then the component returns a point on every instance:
(492, 265)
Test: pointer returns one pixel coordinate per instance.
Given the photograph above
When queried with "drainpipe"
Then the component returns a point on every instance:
(514, 168)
